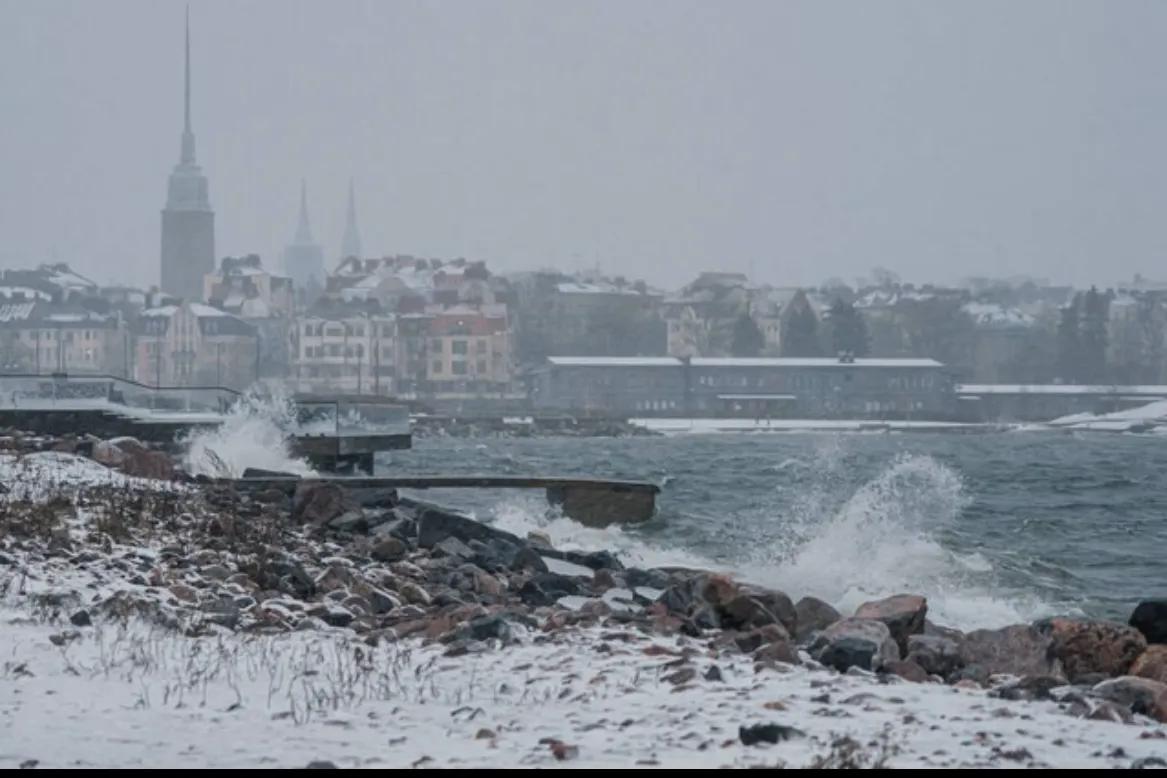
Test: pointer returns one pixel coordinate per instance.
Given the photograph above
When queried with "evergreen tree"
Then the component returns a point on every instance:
(800, 329)
(1092, 335)
(1069, 345)
(848, 330)
(748, 339)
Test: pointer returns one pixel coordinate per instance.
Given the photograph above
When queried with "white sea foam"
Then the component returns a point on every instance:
(255, 434)
(882, 538)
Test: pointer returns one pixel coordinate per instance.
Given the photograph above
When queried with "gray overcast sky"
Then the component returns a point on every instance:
(797, 139)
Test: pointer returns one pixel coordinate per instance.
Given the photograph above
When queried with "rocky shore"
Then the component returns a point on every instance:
(101, 538)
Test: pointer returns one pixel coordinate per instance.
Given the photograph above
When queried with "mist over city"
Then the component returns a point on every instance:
(495, 384)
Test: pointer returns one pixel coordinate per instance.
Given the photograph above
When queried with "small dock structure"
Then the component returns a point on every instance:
(332, 434)
(595, 502)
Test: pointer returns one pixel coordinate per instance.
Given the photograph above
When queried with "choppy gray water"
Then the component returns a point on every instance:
(993, 528)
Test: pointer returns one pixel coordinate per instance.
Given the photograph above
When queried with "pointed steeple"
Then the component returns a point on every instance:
(351, 245)
(303, 228)
(188, 139)
(188, 223)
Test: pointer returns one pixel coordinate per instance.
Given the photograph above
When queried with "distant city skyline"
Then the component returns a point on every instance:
(792, 141)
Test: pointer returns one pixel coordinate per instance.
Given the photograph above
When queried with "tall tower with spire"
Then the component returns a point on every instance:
(304, 258)
(188, 223)
(350, 246)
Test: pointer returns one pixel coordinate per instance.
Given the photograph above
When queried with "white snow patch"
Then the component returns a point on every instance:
(135, 698)
(43, 475)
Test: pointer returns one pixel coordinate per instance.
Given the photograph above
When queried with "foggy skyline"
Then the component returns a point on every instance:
(794, 141)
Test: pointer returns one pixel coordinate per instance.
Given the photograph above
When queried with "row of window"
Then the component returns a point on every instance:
(460, 346)
(811, 381)
(656, 405)
(459, 368)
(33, 336)
(336, 350)
(351, 330)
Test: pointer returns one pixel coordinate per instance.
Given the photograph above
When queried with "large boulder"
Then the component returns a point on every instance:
(1019, 650)
(903, 614)
(812, 615)
(1088, 648)
(935, 654)
(1150, 618)
(1152, 664)
(744, 612)
(141, 462)
(863, 643)
(107, 453)
(1142, 695)
(435, 525)
(777, 603)
(318, 503)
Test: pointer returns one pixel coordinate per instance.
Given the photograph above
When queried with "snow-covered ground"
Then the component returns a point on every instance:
(1143, 418)
(136, 698)
(49, 474)
(791, 425)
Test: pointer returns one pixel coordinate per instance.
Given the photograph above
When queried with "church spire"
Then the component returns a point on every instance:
(188, 139)
(351, 245)
(303, 229)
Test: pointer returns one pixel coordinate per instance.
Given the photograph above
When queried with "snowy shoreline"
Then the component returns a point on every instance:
(162, 621)
(137, 697)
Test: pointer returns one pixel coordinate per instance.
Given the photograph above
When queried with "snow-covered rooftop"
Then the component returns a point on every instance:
(996, 315)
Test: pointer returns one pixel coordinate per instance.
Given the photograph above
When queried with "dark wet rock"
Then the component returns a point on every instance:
(389, 549)
(259, 472)
(375, 497)
(1142, 695)
(454, 548)
(290, 578)
(654, 579)
(486, 628)
(526, 558)
(976, 675)
(778, 651)
(903, 614)
(936, 655)
(751, 641)
(331, 614)
(351, 521)
(744, 612)
(318, 503)
(81, 619)
(906, 669)
(435, 525)
(1152, 664)
(863, 643)
(547, 588)
(1089, 647)
(682, 676)
(812, 615)
(540, 539)
(223, 612)
(1108, 711)
(1150, 618)
(1034, 687)
(777, 603)
(593, 560)
(1020, 650)
(767, 733)
(713, 674)
(216, 572)
(65, 637)
(321, 765)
